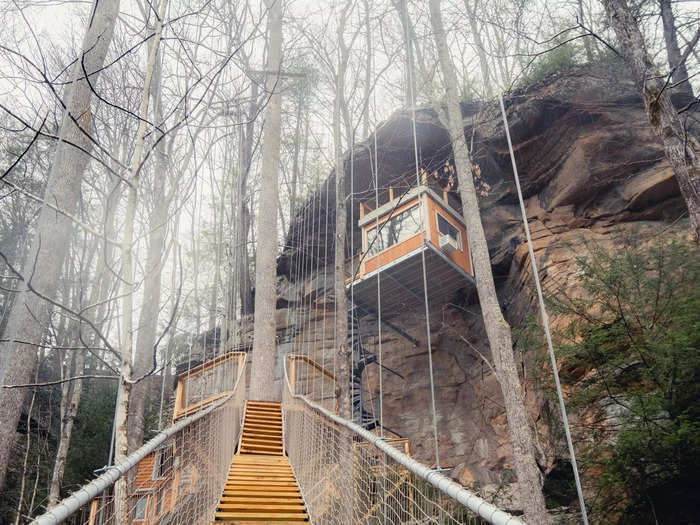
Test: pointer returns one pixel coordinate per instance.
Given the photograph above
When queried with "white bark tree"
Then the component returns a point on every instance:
(497, 329)
(264, 355)
(30, 313)
(127, 380)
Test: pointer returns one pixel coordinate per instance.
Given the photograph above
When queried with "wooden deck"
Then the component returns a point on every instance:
(261, 486)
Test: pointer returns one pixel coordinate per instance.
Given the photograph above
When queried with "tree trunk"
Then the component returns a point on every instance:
(341, 300)
(586, 41)
(243, 274)
(368, 71)
(150, 303)
(70, 400)
(262, 374)
(71, 391)
(673, 52)
(471, 8)
(682, 150)
(30, 314)
(126, 382)
(497, 329)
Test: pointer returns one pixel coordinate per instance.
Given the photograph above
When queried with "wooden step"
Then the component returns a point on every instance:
(274, 404)
(255, 467)
(245, 488)
(270, 421)
(244, 507)
(263, 477)
(264, 410)
(258, 427)
(265, 443)
(251, 500)
(243, 459)
(262, 516)
(259, 449)
(250, 467)
(272, 494)
(263, 431)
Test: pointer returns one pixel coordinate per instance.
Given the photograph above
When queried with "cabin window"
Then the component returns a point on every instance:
(140, 509)
(164, 462)
(160, 500)
(395, 230)
(445, 227)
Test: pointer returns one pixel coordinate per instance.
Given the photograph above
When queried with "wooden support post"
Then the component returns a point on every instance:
(179, 397)
(362, 210)
(241, 360)
(391, 193)
(93, 512)
(293, 374)
(444, 195)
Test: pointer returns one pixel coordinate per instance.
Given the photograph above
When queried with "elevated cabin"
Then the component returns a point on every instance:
(396, 235)
(167, 478)
(155, 487)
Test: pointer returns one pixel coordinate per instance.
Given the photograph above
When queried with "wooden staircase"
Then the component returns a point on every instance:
(261, 487)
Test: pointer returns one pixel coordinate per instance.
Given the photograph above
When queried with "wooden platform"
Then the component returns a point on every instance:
(261, 487)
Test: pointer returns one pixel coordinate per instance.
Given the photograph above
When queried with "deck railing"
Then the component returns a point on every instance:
(206, 383)
(187, 465)
(349, 475)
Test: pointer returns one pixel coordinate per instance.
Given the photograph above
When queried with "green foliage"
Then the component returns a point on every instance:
(631, 355)
(92, 432)
(549, 63)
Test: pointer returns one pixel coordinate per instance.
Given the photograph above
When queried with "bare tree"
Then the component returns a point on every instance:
(497, 329)
(264, 343)
(30, 312)
(681, 148)
(676, 61)
(127, 380)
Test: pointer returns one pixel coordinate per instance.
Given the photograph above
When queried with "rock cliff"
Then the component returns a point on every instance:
(591, 170)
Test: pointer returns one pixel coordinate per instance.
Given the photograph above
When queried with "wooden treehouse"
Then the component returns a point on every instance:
(167, 478)
(397, 235)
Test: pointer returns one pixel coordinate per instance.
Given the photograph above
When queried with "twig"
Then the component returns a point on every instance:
(59, 381)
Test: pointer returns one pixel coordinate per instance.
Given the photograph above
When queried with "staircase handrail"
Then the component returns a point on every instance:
(466, 497)
(314, 364)
(72, 504)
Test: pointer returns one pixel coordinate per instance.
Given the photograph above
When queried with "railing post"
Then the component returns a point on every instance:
(180, 397)
(93, 512)
(293, 374)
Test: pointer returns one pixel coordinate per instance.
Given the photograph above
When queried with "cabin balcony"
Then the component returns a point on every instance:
(396, 237)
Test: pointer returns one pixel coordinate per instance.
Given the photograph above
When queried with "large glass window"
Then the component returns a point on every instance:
(397, 229)
(445, 227)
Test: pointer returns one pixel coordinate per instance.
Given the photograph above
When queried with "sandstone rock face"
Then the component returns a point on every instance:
(592, 172)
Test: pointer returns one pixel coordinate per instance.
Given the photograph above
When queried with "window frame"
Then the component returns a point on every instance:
(377, 225)
(140, 499)
(438, 216)
(163, 455)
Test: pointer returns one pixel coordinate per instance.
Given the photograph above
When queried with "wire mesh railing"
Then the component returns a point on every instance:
(175, 478)
(349, 475)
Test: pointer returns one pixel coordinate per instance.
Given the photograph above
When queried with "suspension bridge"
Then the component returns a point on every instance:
(227, 458)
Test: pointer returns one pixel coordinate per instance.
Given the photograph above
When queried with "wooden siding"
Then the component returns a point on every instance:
(144, 473)
(394, 252)
(460, 257)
